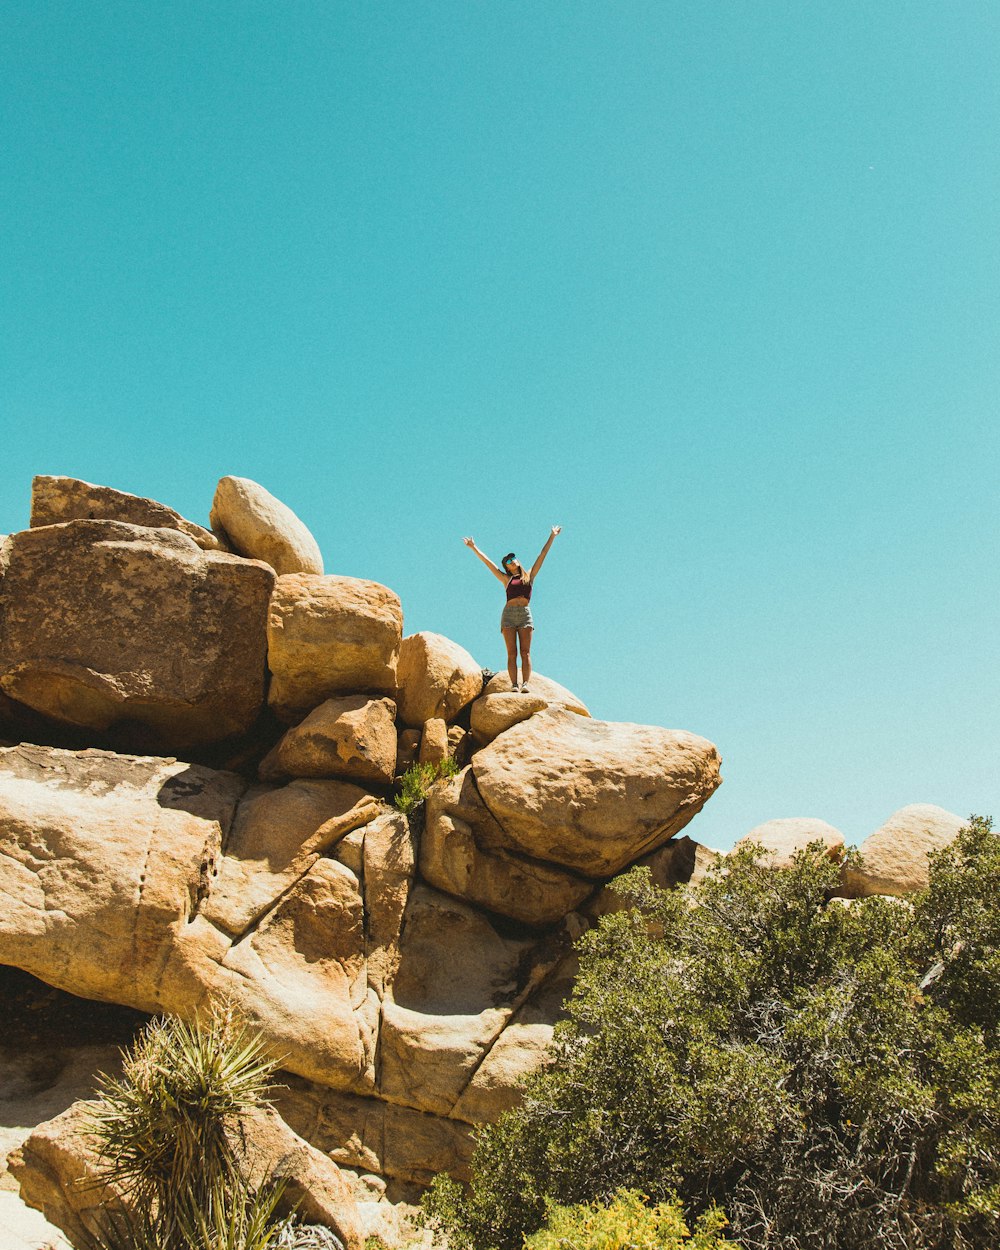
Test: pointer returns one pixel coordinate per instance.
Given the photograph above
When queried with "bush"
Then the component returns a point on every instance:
(169, 1135)
(829, 1074)
(417, 781)
(628, 1222)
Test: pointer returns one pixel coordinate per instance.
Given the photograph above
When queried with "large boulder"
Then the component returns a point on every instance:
(58, 499)
(104, 860)
(353, 736)
(330, 636)
(783, 837)
(436, 678)
(462, 853)
(103, 623)
(493, 713)
(539, 687)
(59, 1171)
(258, 526)
(894, 857)
(593, 795)
(446, 1011)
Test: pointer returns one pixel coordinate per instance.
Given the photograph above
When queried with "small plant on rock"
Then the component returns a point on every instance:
(417, 781)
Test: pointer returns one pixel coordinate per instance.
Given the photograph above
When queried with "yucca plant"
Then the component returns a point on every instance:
(169, 1136)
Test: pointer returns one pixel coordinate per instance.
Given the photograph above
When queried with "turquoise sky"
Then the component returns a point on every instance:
(716, 286)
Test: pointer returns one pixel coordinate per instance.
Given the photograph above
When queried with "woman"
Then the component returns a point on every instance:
(515, 623)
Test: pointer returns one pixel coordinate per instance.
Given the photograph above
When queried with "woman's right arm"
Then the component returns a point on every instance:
(469, 542)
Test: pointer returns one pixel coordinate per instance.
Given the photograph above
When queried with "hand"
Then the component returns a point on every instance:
(556, 529)
(469, 542)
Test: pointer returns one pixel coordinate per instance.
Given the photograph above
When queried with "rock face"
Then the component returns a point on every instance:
(895, 856)
(58, 1168)
(781, 838)
(593, 795)
(58, 499)
(330, 636)
(492, 714)
(102, 623)
(437, 678)
(540, 687)
(352, 736)
(258, 526)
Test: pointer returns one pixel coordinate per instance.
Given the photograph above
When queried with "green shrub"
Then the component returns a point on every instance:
(169, 1137)
(628, 1222)
(417, 781)
(830, 1075)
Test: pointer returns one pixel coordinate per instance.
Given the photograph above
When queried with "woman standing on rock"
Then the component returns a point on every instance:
(515, 623)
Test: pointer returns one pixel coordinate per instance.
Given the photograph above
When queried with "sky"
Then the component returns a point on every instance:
(715, 286)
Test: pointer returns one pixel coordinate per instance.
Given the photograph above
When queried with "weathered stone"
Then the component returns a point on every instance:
(593, 795)
(894, 857)
(329, 636)
(521, 1049)
(351, 736)
(539, 687)
(58, 499)
(376, 1136)
(462, 852)
(350, 851)
(459, 744)
(783, 837)
(493, 713)
(59, 1170)
(681, 861)
(258, 526)
(434, 742)
(103, 861)
(389, 867)
(444, 1013)
(436, 679)
(407, 749)
(276, 837)
(103, 623)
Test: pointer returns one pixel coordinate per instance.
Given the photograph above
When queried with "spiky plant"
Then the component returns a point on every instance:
(169, 1136)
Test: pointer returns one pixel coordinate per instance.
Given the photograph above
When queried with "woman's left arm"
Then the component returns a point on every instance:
(556, 529)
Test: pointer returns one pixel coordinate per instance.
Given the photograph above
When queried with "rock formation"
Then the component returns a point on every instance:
(407, 973)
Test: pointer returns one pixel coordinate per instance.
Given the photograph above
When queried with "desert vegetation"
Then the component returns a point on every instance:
(827, 1072)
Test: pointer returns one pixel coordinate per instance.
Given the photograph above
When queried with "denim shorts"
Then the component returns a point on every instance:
(516, 616)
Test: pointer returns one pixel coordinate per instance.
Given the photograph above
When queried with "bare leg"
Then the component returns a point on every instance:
(510, 638)
(524, 638)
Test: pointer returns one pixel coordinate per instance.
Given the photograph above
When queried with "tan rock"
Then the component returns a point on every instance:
(434, 742)
(407, 749)
(462, 853)
(895, 856)
(593, 795)
(459, 744)
(522, 1049)
(681, 861)
(493, 713)
(350, 851)
(104, 623)
(276, 837)
(352, 736)
(258, 526)
(299, 977)
(783, 837)
(58, 499)
(375, 1136)
(540, 687)
(330, 636)
(436, 678)
(390, 855)
(445, 1012)
(103, 861)
(59, 1169)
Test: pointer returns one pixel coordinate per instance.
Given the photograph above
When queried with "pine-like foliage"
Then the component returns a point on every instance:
(829, 1074)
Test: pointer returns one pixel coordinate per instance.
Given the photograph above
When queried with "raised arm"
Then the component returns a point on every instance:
(556, 529)
(469, 542)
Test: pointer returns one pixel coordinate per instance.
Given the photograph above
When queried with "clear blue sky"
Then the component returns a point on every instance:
(716, 286)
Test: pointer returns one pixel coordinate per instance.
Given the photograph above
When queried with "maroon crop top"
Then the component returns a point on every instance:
(517, 589)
